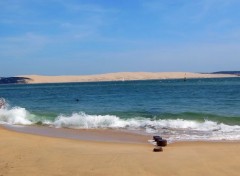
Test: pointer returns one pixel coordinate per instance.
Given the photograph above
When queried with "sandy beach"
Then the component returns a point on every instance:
(26, 154)
(121, 76)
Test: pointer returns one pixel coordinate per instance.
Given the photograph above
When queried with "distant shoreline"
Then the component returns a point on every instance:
(121, 76)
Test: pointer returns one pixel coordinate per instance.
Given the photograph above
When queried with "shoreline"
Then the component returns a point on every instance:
(96, 135)
(27, 154)
(121, 76)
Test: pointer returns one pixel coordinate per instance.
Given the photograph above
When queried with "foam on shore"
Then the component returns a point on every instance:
(173, 129)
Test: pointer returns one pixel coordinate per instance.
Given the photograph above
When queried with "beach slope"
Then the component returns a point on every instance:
(26, 154)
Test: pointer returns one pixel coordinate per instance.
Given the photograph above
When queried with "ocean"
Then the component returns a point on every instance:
(191, 110)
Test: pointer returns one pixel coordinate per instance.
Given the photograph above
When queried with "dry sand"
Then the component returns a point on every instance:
(25, 154)
(121, 76)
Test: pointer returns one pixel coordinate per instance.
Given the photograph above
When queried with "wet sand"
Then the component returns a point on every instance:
(106, 135)
(27, 154)
(121, 76)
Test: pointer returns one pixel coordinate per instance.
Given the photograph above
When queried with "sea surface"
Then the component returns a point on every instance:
(195, 109)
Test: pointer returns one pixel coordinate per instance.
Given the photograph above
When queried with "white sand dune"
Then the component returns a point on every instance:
(121, 76)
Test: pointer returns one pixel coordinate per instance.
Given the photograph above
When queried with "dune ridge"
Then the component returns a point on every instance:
(121, 76)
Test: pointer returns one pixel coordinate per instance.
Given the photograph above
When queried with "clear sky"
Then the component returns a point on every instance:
(73, 37)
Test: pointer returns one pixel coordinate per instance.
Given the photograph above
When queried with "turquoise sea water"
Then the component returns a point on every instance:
(196, 109)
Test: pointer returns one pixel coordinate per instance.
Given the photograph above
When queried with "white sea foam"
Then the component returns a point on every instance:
(15, 116)
(82, 120)
(173, 129)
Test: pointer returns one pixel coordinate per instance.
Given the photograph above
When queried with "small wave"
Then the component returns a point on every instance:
(83, 120)
(173, 129)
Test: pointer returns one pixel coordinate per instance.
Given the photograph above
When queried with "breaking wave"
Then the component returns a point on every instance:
(173, 129)
(15, 116)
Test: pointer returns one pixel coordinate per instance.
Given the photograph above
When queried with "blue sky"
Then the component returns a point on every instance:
(73, 37)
